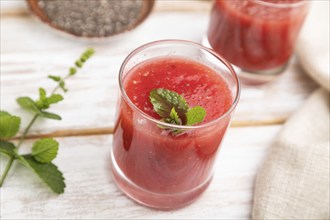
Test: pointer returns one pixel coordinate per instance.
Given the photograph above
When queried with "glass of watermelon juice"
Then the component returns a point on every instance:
(257, 36)
(157, 162)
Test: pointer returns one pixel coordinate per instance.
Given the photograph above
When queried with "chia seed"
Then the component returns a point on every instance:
(93, 18)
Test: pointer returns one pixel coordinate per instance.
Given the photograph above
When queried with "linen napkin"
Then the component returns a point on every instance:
(294, 181)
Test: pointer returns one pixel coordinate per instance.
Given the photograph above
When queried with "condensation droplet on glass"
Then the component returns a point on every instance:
(150, 156)
(141, 121)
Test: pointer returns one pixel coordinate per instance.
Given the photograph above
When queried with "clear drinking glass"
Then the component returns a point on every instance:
(257, 36)
(152, 165)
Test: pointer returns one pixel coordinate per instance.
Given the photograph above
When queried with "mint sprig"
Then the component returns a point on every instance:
(174, 109)
(164, 100)
(43, 150)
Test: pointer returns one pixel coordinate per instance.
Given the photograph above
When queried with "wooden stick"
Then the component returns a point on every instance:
(109, 130)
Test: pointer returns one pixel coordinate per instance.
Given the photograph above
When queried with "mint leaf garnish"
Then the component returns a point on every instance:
(45, 150)
(195, 115)
(174, 109)
(175, 117)
(8, 148)
(163, 100)
(9, 125)
(47, 172)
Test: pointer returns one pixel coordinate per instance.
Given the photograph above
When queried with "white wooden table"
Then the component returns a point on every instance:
(29, 52)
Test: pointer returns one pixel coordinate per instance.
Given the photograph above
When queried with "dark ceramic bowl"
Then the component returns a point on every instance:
(39, 12)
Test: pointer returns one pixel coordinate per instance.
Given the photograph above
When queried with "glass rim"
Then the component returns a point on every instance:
(282, 5)
(180, 42)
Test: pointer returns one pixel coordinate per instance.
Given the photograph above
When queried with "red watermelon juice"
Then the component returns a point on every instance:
(152, 164)
(256, 35)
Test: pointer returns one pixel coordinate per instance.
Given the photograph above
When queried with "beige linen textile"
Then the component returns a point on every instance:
(293, 183)
(294, 180)
(313, 44)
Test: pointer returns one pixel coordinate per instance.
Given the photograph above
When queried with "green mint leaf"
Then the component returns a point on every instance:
(83, 58)
(87, 54)
(3, 113)
(171, 106)
(195, 115)
(62, 86)
(50, 115)
(164, 100)
(72, 71)
(28, 103)
(55, 78)
(45, 150)
(8, 148)
(42, 105)
(175, 117)
(55, 98)
(42, 102)
(79, 64)
(42, 94)
(174, 109)
(48, 173)
(9, 125)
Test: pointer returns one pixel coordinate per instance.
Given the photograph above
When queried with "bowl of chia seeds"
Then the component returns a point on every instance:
(92, 19)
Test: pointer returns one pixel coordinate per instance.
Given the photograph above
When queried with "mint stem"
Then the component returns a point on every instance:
(12, 158)
(27, 130)
(58, 85)
(5, 172)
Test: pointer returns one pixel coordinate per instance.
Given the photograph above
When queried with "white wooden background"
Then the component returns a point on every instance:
(30, 52)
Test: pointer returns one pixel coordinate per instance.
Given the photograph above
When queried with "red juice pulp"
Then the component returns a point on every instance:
(256, 35)
(155, 159)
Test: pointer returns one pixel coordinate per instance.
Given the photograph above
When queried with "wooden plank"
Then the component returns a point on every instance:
(92, 194)
(90, 103)
(13, 8)
(183, 5)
